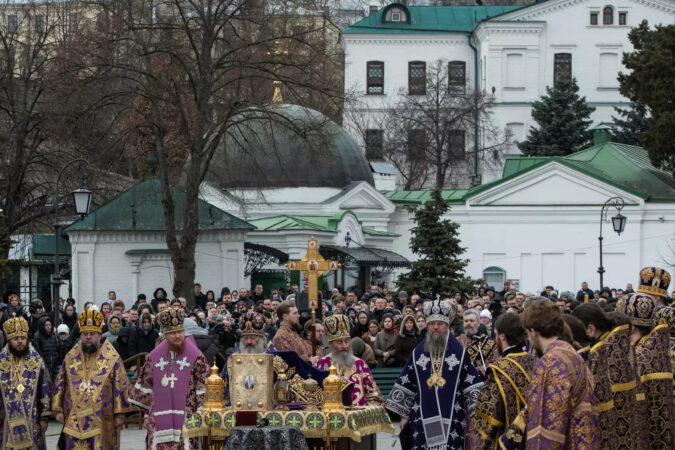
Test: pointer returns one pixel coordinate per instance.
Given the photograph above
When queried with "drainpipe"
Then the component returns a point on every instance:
(475, 112)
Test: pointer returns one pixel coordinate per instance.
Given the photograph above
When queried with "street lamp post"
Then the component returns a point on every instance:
(82, 200)
(618, 223)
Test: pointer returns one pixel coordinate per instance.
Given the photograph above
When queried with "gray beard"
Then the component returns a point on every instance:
(469, 332)
(258, 348)
(435, 345)
(343, 360)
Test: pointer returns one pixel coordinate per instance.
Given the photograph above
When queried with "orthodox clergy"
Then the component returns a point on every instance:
(171, 384)
(506, 382)
(480, 347)
(25, 389)
(436, 393)
(666, 315)
(252, 328)
(287, 337)
(562, 411)
(598, 328)
(351, 369)
(92, 388)
(655, 391)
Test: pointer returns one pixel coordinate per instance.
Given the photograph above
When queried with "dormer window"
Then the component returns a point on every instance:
(396, 15)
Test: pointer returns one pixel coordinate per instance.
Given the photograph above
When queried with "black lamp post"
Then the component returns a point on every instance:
(82, 201)
(618, 223)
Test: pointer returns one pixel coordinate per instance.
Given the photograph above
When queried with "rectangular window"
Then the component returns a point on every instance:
(417, 142)
(72, 22)
(40, 23)
(594, 18)
(456, 144)
(515, 70)
(457, 77)
(622, 18)
(374, 144)
(417, 78)
(609, 70)
(562, 67)
(375, 75)
(12, 23)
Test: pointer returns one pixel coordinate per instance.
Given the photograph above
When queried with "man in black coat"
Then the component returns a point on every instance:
(143, 336)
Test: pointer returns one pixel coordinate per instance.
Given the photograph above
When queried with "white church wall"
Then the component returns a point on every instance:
(101, 264)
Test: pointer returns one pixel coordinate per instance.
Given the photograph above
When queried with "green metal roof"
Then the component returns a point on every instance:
(315, 223)
(454, 196)
(140, 209)
(624, 166)
(431, 19)
(43, 245)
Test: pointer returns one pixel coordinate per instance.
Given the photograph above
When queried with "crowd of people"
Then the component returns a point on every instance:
(480, 369)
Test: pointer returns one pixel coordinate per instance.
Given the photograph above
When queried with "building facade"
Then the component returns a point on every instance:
(512, 52)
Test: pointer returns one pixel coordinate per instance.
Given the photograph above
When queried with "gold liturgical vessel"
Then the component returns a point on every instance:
(215, 391)
(332, 392)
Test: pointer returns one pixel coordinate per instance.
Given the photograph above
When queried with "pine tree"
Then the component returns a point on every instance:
(630, 125)
(563, 118)
(436, 241)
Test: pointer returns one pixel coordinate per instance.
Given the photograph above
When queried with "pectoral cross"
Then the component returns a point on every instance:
(169, 380)
(312, 266)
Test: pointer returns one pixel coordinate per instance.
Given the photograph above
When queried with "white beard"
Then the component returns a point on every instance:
(343, 360)
(258, 348)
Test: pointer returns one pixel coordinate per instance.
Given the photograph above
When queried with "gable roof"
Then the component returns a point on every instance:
(139, 208)
(625, 167)
(431, 19)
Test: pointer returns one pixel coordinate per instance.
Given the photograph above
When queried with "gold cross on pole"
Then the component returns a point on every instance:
(276, 51)
(312, 266)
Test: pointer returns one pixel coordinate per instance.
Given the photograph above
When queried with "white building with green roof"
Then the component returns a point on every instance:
(511, 51)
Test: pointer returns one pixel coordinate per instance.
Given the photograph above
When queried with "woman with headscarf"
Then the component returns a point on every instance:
(114, 326)
(360, 326)
(407, 339)
(384, 342)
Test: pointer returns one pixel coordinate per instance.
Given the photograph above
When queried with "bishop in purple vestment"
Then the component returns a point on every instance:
(171, 386)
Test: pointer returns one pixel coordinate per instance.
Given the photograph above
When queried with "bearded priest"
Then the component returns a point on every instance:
(92, 389)
(171, 385)
(25, 389)
(436, 393)
(351, 369)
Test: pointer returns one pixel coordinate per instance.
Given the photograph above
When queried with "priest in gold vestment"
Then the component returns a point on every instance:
(92, 389)
(655, 392)
(482, 349)
(502, 396)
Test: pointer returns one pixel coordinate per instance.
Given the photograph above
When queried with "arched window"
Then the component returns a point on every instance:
(608, 15)
(494, 276)
(396, 15)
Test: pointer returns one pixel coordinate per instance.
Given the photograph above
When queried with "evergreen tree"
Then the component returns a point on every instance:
(436, 242)
(649, 81)
(630, 125)
(563, 117)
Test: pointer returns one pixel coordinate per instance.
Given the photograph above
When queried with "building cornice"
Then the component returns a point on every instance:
(538, 10)
(485, 29)
(397, 39)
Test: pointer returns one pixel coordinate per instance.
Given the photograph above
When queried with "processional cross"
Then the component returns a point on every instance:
(312, 266)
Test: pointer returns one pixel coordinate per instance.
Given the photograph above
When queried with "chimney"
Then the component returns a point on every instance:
(601, 134)
(372, 9)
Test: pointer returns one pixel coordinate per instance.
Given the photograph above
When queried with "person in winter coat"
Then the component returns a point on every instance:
(371, 335)
(48, 345)
(142, 338)
(13, 308)
(407, 339)
(114, 326)
(69, 317)
(363, 351)
(360, 326)
(122, 344)
(159, 294)
(385, 351)
(207, 343)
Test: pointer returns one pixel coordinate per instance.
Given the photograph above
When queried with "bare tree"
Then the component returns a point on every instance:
(185, 70)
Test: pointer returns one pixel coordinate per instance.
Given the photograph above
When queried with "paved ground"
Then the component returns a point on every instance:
(134, 439)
